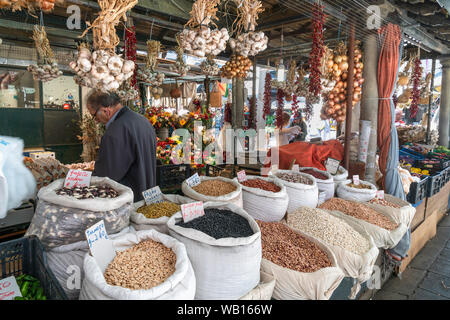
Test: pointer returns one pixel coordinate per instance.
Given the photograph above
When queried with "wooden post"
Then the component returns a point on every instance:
(433, 67)
(348, 114)
(207, 90)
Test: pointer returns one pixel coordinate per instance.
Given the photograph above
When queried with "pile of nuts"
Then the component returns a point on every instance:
(215, 188)
(91, 192)
(286, 248)
(383, 202)
(89, 166)
(359, 211)
(261, 184)
(158, 210)
(315, 174)
(141, 267)
(236, 67)
(328, 228)
(294, 177)
(358, 186)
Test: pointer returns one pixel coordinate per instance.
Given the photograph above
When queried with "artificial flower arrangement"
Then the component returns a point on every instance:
(160, 118)
(164, 149)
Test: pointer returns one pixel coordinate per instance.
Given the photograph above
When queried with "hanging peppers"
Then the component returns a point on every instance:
(267, 95)
(130, 50)
(227, 112)
(295, 107)
(317, 51)
(280, 107)
(417, 75)
(251, 116)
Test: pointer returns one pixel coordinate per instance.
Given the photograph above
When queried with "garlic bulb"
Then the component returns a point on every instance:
(203, 41)
(249, 44)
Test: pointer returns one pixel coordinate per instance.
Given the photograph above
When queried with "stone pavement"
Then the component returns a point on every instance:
(427, 277)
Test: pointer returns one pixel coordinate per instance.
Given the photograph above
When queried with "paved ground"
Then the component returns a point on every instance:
(427, 277)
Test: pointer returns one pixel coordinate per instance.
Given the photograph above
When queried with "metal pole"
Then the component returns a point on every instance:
(433, 67)
(348, 114)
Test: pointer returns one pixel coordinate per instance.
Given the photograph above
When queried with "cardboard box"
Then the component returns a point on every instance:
(40, 155)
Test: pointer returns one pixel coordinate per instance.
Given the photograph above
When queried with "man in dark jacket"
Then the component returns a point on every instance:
(128, 148)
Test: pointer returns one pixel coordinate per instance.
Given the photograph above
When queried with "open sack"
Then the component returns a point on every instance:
(362, 195)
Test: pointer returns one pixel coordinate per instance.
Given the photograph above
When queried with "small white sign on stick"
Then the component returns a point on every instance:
(102, 248)
(241, 176)
(153, 195)
(77, 178)
(332, 165)
(356, 179)
(9, 289)
(192, 210)
(193, 180)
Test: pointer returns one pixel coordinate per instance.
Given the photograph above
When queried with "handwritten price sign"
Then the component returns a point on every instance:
(193, 181)
(9, 289)
(380, 194)
(77, 178)
(101, 246)
(241, 176)
(193, 210)
(356, 179)
(153, 195)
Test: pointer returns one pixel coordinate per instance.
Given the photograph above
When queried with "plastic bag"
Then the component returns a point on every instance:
(355, 194)
(326, 186)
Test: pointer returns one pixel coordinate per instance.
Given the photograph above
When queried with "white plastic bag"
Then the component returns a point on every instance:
(66, 263)
(179, 286)
(340, 176)
(294, 285)
(61, 220)
(404, 214)
(264, 290)
(300, 195)
(140, 222)
(227, 268)
(326, 186)
(362, 195)
(16, 181)
(232, 197)
(265, 205)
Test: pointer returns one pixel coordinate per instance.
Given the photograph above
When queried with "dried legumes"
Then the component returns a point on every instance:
(384, 203)
(358, 186)
(158, 210)
(359, 211)
(328, 228)
(286, 248)
(261, 184)
(89, 192)
(143, 266)
(220, 223)
(214, 188)
(294, 177)
(315, 174)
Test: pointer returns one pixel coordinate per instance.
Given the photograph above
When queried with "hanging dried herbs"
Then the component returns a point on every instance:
(317, 51)
(280, 107)
(267, 95)
(417, 75)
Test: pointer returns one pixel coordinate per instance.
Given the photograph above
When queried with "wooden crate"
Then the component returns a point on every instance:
(438, 203)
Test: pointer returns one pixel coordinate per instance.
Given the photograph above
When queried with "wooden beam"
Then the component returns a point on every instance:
(284, 22)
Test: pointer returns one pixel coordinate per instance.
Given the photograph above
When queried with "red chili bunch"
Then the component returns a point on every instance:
(317, 51)
(308, 110)
(130, 50)
(267, 95)
(295, 106)
(417, 75)
(280, 96)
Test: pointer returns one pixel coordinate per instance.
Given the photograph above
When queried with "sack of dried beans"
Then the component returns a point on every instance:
(62, 215)
(381, 226)
(400, 210)
(264, 290)
(155, 216)
(355, 250)
(304, 267)
(148, 265)
(216, 189)
(264, 198)
(302, 189)
(224, 247)
(324, 180)
(363, 192)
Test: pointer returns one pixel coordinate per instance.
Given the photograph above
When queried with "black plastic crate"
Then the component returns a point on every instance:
(172, 175)
(213, 171)
(435, 183)
(418, 191)
(26, 256)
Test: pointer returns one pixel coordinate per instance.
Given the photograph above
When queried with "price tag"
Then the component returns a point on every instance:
(101, 246)
(77, 178)
(193, 181)
(153, 195)
(192, 210)
(9, 289)
(296, 168)
(332, 165)
(241, 176)
(356, 179)
(380, 194)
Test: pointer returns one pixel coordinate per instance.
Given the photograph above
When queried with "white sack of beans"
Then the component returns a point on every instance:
(66, 261)
(300, 194)
(344, 191)
(324, 185)
(181, 285)
(355, 250)
(295, 285)
(234, 197)
(265, 205)
(264, 290)
(340, 176)
(382, 237)
(226, 268)
(404, 214)
(62, 219)
(140, 222)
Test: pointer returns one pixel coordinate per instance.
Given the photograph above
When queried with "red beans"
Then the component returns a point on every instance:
(261, 184)
(315, 174)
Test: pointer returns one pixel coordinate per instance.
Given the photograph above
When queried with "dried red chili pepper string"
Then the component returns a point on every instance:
(317, 51)
(130, 50)
(417, 74)
(280, 107)
(267, 95)
(295, 106)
